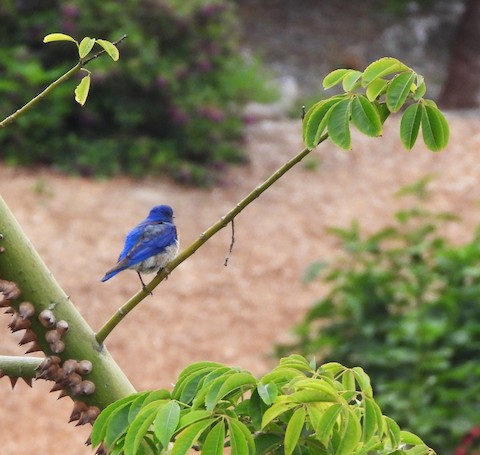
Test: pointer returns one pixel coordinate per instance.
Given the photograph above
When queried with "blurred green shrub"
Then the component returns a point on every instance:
(172, 104)
(404, 305)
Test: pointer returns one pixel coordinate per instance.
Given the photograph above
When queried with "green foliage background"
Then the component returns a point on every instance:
(171, 103)
(404, 305)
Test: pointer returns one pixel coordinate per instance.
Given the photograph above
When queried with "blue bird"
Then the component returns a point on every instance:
(150, 245)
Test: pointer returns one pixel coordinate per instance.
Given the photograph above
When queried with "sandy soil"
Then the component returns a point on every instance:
(228, 314)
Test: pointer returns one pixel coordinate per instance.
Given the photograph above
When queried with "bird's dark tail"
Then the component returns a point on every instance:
(113, 271)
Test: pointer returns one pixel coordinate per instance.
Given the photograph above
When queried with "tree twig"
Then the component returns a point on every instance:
(190, 250)
(231, 244)
(19, 366)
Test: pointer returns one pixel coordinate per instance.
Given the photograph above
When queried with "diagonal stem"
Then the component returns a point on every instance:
(190, 250)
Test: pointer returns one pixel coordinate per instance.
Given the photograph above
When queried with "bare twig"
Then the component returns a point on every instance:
(231, 244)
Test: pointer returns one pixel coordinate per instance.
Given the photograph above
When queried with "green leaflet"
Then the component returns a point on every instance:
(57, 37)
(166, 422)
(375, 89)
(294, 429)
(110, 49)
(366, 117)
(382, 67)
(410, 125)
(434, 128)
(215, 440)
(338, 124)
(189, 436)
(316, 119)
(398, 90)
(81, 92)
(85, 46)
(334, 78)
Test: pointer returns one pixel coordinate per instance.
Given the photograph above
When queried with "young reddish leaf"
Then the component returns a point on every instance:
(338, 124)
(410, 125)
(399, 89)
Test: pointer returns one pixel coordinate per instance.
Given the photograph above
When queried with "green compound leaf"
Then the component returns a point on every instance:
(376, 88)
(166, 422)
(410, 125)
(294, 429)
(434, 128)
(85, 46)
(399, 89)
(383, 67)
(315, 121)
(110, 49)
(351, 80)
(81, 92)
(334, 78)
(366, 117)
(58, 37)
(215, 440)
(338, 124)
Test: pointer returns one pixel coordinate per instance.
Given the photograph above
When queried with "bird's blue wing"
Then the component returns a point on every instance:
(153, 240)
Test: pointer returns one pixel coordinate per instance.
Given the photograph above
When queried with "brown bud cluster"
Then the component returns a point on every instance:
(9, 290)
(83, 413)
(58, 330)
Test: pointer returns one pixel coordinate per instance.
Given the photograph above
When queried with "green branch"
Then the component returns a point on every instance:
(220, 224)
(19, 367)
(34, 101)
(20, 263)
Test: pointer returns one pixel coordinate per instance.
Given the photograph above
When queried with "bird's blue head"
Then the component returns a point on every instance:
(161, 213)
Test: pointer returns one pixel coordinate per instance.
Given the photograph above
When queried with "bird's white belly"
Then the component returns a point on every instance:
(157, 262)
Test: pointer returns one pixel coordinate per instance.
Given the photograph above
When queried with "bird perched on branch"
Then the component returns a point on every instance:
(150, 245)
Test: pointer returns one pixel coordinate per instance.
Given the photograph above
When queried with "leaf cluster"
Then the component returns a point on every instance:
(297, 408)
(84, 48)
(403, 304)
(370, 97)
